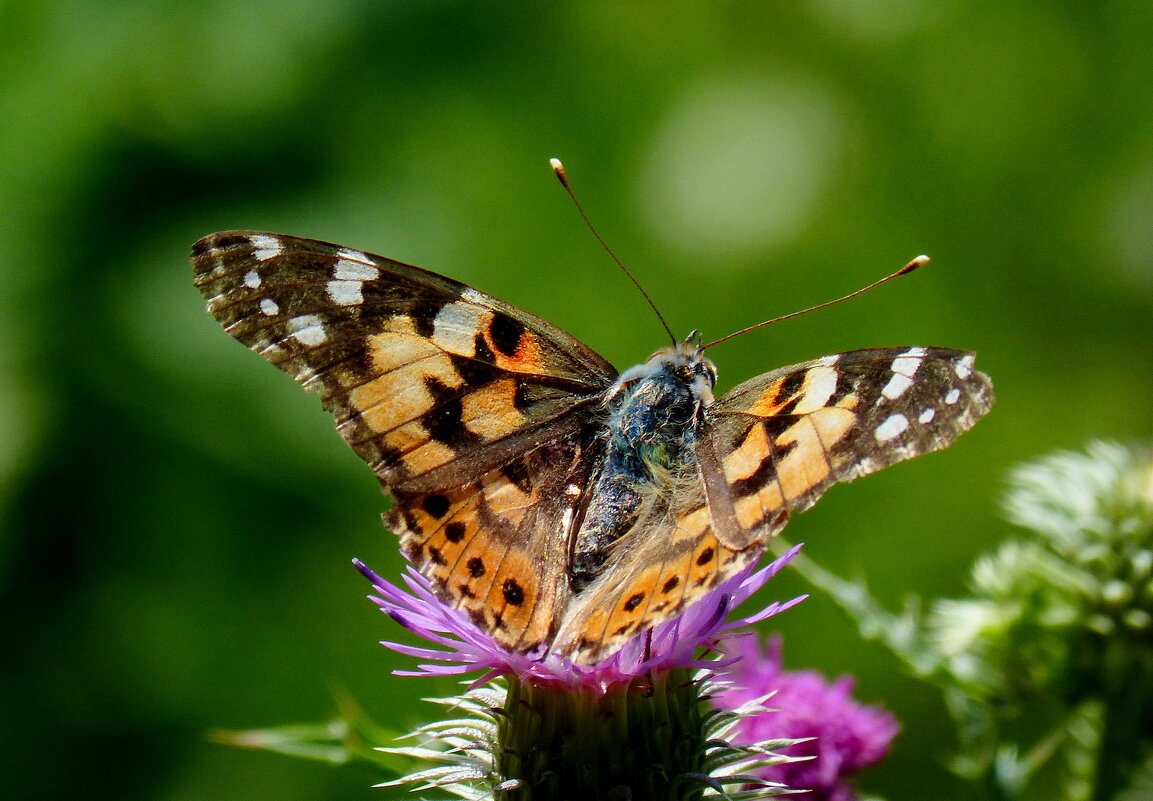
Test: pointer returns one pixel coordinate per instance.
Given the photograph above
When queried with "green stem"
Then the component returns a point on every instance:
(1125, 729)
(632, 742)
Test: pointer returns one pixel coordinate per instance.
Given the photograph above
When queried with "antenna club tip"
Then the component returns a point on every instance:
(920, 261)
(558, 168)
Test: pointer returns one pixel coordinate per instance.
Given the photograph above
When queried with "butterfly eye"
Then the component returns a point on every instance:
(705, 369)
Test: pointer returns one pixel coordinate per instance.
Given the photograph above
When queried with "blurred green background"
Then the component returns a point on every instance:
(179, 517)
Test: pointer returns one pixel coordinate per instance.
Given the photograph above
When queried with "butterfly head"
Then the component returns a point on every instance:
(686, 360)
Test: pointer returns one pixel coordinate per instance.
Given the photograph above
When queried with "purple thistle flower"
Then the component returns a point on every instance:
(462, 647)
(846, 736)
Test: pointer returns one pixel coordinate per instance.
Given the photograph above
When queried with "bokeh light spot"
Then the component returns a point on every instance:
(740, 164)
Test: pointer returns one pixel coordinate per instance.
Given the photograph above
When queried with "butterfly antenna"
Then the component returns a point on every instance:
(920, 261)
(558, 168)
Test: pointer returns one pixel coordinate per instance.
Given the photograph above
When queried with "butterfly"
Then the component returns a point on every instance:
(561, 505)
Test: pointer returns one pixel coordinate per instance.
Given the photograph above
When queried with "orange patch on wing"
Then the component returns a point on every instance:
(525, 359)
(632, 603)
(390, 348)
(752, 510)
(748, 458)
(672, 589)
(807, 465)
(692, 524)
(465, 524)
(471, 578)
(505, 499)
(491, 412)
(419, 452)
(770, 401)
(706, 558)
(514, 594)
(400, 396)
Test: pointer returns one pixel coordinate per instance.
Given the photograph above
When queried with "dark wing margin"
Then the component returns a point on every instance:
(432, 382)
(781, 439)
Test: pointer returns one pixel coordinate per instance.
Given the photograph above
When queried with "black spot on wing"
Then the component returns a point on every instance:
(415, 552)
(225, 242)
(522, 397)
(751, 485)
(445, 423)
(513, 592)
(424, 318)
(506, 333)
(481, 367)
(435, 504)
(791, 385)
(518, 474)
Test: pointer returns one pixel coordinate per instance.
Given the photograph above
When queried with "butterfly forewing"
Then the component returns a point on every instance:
(781, 439)
(431, 381)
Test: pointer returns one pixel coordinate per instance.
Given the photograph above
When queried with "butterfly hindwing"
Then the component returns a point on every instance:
(431, 381)
(497, 548)
(671, 559)
(781, 439)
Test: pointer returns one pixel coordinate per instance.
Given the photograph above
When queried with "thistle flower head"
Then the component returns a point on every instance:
(459, 646)
(845, 736)
(634, 725)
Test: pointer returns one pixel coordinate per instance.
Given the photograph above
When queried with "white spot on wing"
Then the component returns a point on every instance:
(265, 247)
(820, 384)
(268, 306)
(952, 396)
(473, 296)
(927, 416)
(897, 384)
(345, 293)
(894, 424)
(307, 329)
(908, 362)
(252, 279)
(455, 328)
(348, 254)
(346, 270)
(964, 367)
(827, 361)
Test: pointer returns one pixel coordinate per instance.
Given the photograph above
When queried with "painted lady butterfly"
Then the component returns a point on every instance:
(560, 505)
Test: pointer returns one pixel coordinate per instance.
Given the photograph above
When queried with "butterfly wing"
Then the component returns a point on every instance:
(774, 444)
(463, 405)
(497, 547)
(671, 558)
(423, 373)
(766, 449)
